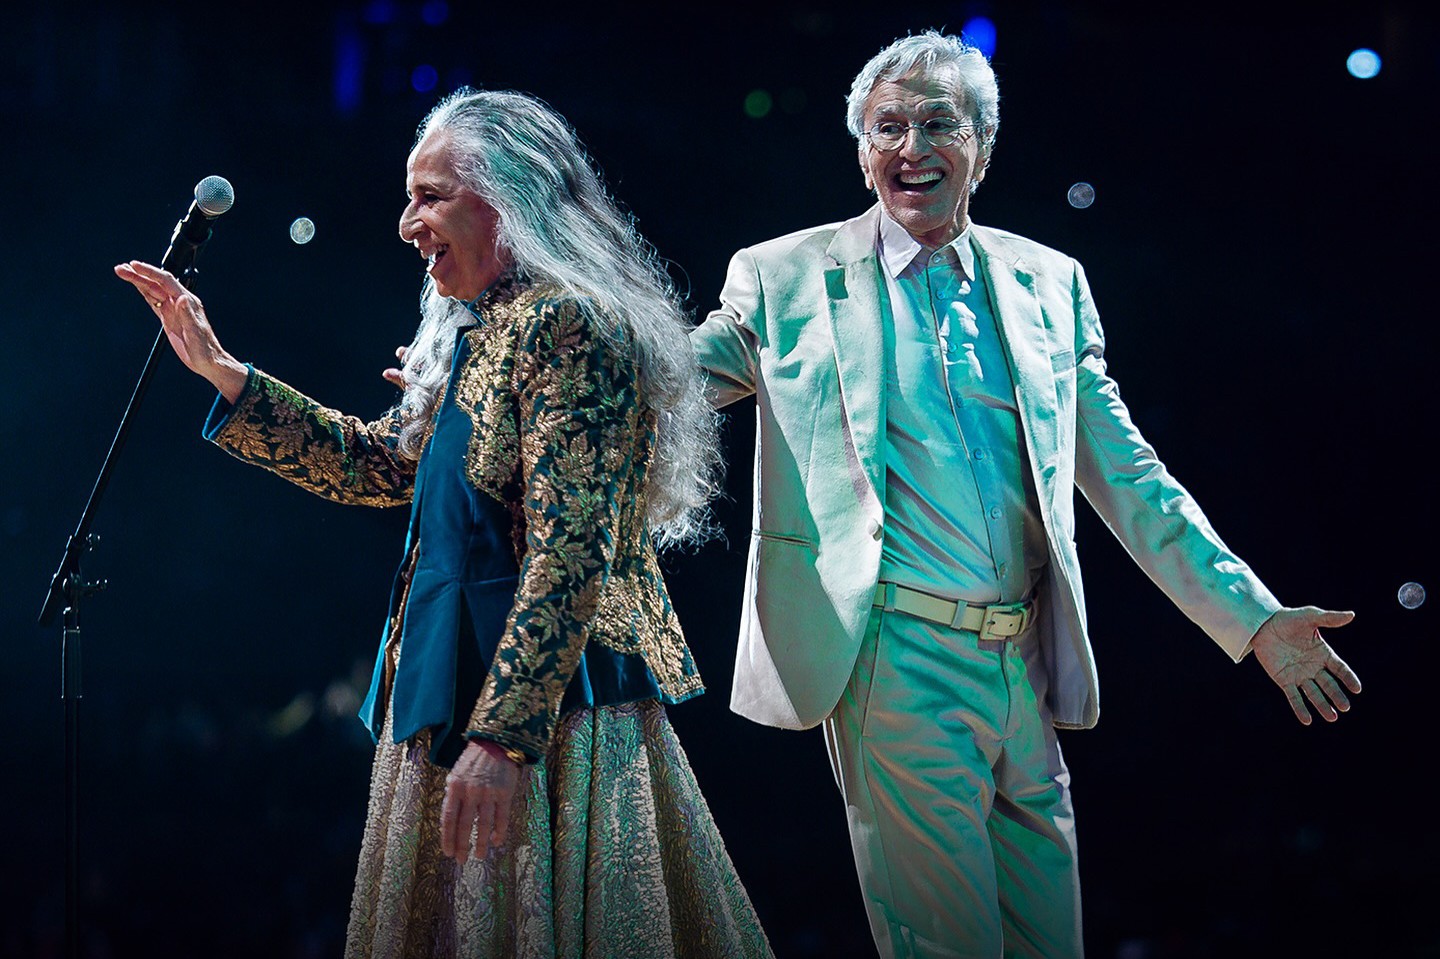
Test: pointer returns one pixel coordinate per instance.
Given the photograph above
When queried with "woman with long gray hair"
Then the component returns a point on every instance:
(529, 797)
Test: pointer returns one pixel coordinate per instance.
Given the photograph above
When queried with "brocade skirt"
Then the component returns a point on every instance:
(612, 852)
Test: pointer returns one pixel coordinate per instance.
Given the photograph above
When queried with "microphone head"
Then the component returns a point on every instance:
(214, 195)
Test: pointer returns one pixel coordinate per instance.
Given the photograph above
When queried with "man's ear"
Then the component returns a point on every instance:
(979, 174)
(865, 170)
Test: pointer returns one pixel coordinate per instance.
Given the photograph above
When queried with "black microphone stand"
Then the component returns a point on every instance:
(67, 588)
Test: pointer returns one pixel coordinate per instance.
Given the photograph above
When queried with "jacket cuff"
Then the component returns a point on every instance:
(522, 756)
(223, 410)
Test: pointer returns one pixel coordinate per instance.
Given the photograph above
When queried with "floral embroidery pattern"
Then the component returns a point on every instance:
(561, 433)
(561, 437)
(339, 457)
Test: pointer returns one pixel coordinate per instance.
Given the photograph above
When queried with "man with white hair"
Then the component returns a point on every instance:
(929, 394)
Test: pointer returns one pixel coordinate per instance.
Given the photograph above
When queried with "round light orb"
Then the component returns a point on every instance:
(758, 104)
(1081, 195)
(792, 100)
(1411, 595)
(302, 230)
(1363, 63)
(424, 77)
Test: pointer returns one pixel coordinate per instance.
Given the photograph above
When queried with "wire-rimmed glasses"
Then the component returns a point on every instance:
(887, 135)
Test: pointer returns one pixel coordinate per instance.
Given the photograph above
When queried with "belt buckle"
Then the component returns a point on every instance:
(1005, 620)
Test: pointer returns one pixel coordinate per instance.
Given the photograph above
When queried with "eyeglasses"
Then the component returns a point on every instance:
(889, 135)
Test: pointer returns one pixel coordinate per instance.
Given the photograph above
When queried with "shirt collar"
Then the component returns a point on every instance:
(898, 249)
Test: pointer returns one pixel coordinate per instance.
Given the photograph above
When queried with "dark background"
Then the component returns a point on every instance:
(1261, 251)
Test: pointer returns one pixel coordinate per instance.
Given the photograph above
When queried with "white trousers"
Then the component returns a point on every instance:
(957, 797)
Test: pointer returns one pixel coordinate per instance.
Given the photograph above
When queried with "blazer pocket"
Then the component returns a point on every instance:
(787, 538)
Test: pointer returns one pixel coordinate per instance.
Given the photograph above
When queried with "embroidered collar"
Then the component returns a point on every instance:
(507, 286)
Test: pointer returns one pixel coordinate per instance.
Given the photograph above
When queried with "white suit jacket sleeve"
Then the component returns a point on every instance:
(1156, 520)
(727, 344)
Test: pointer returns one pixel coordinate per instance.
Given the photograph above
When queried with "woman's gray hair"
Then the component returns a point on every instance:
(559, 225)
(934, 52)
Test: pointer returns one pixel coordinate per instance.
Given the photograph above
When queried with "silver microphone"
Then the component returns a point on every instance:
(213, 196)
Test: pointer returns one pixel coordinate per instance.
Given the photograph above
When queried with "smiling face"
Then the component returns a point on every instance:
(451, 227)
(925, 189)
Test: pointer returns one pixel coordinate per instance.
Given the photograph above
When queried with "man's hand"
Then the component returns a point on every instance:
(478, 793)
(1303, 664)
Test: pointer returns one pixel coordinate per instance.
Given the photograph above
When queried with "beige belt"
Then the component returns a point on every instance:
(1000, 621)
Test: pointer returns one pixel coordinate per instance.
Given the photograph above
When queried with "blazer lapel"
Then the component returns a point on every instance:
(859, 322)
(1022, 331)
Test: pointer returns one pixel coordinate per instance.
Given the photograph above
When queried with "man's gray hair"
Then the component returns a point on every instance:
(560, 226)
(933, 52)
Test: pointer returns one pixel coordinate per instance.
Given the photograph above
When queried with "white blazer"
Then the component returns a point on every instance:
(804, 325)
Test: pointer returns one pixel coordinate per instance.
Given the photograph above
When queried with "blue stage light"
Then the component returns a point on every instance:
(435, 12)
(1363, 63)
(980, 31)
(379, 12)
(349, 69)
(424, 77)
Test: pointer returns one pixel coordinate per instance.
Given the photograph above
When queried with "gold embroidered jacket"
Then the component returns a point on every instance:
(542, 426)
